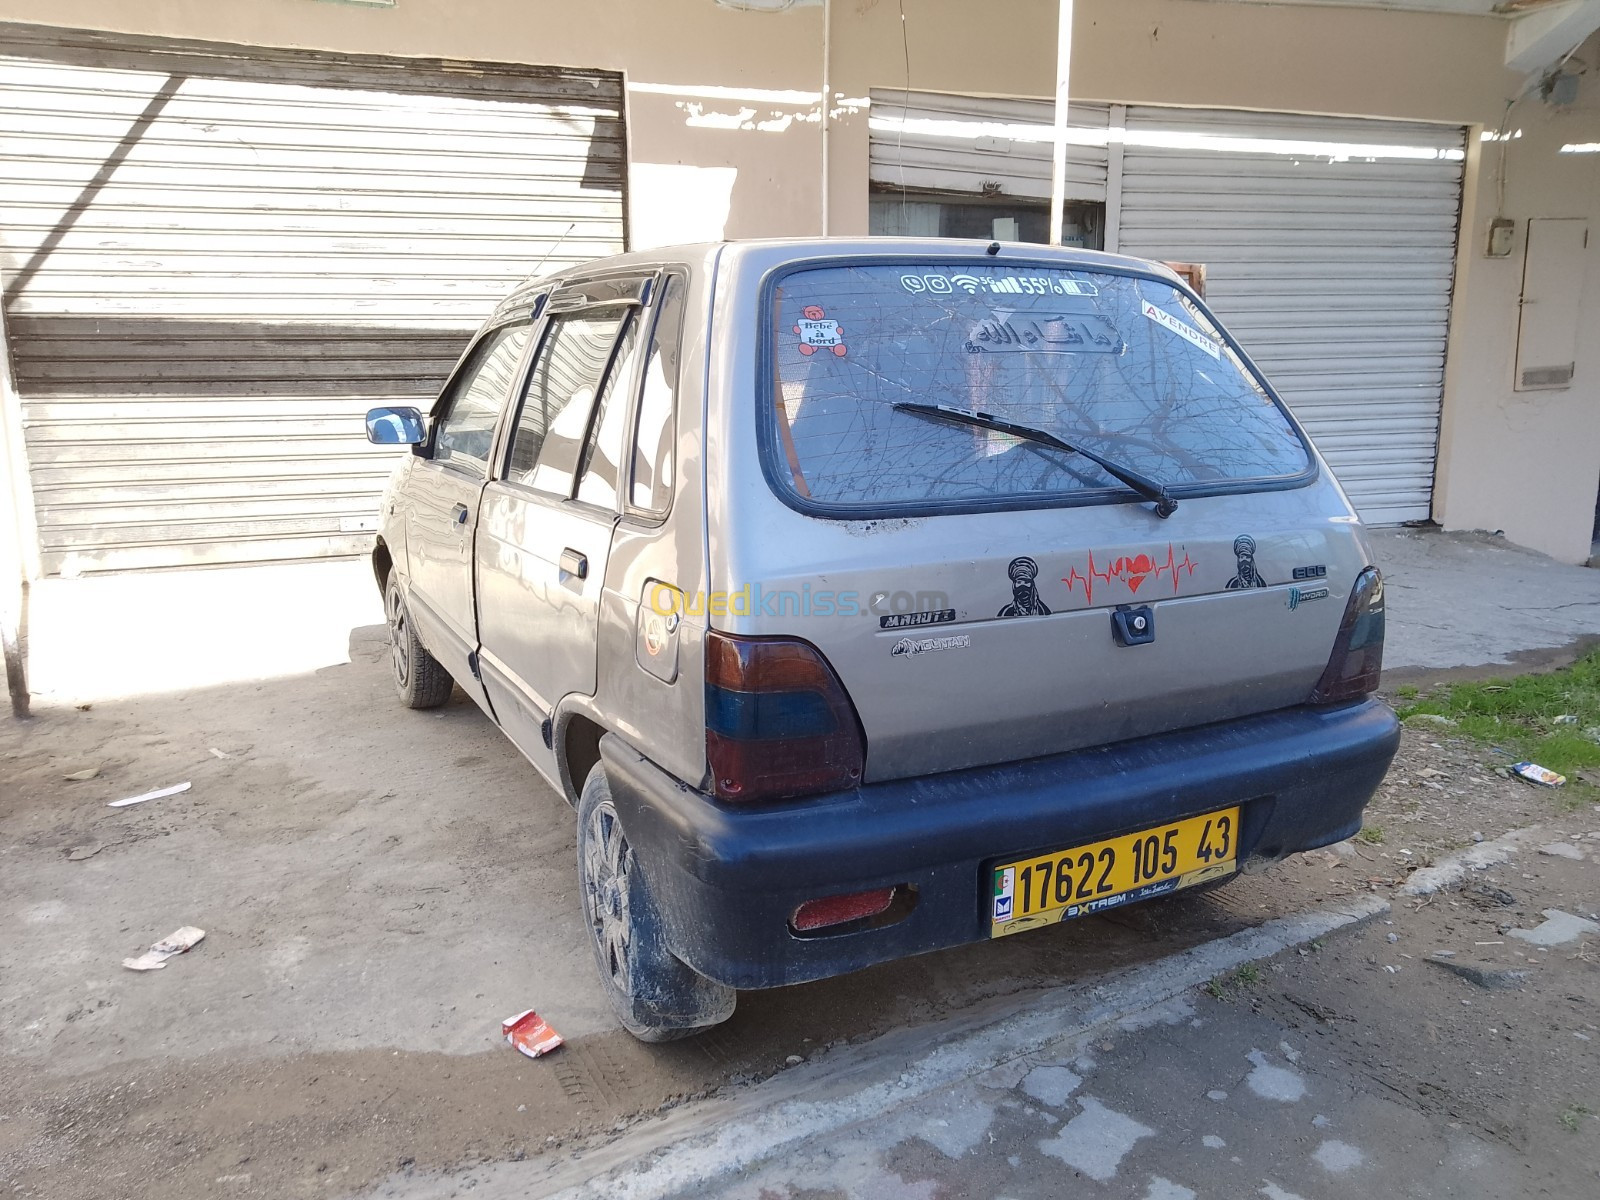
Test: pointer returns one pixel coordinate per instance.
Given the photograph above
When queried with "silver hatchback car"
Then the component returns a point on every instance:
(867, 597)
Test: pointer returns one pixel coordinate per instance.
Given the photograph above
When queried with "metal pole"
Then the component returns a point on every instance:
(827, 102)
(14, 558)
(1058, 165)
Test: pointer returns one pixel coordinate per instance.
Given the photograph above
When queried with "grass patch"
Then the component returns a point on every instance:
(1246, 976)
(1519, 716)
(1372, 835)
(1573, 1114)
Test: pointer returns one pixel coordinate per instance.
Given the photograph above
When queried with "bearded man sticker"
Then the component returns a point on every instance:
(1244, 549)
(1025, 600)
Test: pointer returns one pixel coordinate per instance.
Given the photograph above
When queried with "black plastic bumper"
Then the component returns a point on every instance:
(728, 878)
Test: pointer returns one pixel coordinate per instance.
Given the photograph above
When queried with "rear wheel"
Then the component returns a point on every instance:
(656, 996)
(418, 677)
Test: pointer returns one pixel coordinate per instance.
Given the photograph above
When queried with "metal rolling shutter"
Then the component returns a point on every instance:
(215, 259)
(972, 145)
(1330, 248)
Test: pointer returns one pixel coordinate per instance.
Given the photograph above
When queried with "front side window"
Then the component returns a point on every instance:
(472, 403)
(1125, 366)
(561, 392)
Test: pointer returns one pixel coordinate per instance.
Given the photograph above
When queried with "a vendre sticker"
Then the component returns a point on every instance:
(1188, 333)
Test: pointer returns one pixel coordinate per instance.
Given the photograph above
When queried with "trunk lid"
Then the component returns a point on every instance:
(982, 598)
(971, 640)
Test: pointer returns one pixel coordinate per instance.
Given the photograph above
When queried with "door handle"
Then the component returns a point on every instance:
(573, 563)
(459, 512)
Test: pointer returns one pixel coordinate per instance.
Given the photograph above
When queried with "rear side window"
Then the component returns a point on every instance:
(597, 474)
(655, 429)
(1123, 365)
(560, 397)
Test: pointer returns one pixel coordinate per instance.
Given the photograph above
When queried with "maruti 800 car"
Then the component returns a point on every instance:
(867, 597)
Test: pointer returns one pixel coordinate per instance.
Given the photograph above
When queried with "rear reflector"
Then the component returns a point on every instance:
(1357, 660)
(837, 910)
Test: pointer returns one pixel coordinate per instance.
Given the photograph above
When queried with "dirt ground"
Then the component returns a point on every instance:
(1515, 1063)
(379, 888)
(1343, 1068)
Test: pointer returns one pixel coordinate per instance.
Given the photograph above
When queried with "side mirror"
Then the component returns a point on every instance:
(395, 426)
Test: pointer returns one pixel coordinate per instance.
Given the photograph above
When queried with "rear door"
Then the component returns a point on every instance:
(967, 584)
(548, 516)
(442, 494)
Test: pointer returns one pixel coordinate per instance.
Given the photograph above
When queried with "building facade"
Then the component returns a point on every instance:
(226, 229)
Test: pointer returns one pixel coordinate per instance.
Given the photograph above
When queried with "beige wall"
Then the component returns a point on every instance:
(725, 142)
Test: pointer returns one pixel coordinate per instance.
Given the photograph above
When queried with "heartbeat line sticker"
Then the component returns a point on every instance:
(1187, 332)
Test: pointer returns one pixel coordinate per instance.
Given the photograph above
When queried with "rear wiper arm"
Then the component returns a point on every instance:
(1165, 504)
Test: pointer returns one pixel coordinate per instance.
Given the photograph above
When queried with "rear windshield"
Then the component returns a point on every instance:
(1123, 365)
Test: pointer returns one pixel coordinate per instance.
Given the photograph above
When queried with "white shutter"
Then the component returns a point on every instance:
(973, 145)
(1329, 247)
(215, 259)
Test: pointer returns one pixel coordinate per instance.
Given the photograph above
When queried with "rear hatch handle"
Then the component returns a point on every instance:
(1156, 493)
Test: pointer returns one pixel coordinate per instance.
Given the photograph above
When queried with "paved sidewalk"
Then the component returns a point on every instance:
(1469, 600)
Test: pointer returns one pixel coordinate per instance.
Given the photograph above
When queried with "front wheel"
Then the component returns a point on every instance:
(656, 996)
(419, 678)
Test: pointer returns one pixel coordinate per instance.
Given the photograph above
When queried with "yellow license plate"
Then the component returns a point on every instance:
(1136, 866)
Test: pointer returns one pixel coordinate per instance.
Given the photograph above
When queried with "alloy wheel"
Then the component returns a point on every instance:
(607, 862)
(399, 637)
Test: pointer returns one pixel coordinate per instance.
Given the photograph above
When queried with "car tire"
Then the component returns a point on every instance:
(418, 677)
(657, 997)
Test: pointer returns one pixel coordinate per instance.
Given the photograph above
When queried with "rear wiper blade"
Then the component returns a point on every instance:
(1165, 504)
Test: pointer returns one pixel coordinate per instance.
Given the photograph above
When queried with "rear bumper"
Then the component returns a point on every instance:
(728, 878)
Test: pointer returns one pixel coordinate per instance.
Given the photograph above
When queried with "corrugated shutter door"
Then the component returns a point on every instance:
(1330, 249)
(216, 259)
(970, 144)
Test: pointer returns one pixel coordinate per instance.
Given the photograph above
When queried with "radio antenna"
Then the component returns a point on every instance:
(553, 249)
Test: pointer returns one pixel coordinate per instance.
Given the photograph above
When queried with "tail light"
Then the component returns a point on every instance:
(778, 721)
(1357, 660)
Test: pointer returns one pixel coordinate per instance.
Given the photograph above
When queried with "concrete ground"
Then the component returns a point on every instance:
(380, 887)
(1461, 600)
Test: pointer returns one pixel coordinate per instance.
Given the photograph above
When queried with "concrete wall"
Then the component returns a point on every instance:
(724, 120)
(1526, 463)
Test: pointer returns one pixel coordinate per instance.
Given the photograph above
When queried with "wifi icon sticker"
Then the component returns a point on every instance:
(970, 284)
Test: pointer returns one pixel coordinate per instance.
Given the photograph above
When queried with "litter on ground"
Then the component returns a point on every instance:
(179, 941)
(79, 776)
(1534, 773)
(158, 794)
(530, 1034)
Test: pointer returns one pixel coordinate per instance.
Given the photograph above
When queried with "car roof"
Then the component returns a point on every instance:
(797, 249)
